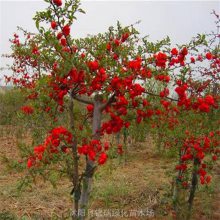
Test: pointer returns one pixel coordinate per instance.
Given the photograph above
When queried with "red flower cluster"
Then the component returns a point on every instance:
(174, 52)
(99, 79)
(66, 30)
(164, 93)
(61, 85)
(95, 149)
(125, 36)
(197, 149)
(161, 59)
(57, 136)
(205, 103)
(27, 110)
(181, 91)
(93, 65)
(162, 78)
(135, 64)
(178, 57)
(136, 90)
(114, 125)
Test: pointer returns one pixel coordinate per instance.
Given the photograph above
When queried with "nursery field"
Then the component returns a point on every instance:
(112, 125)
(138, 183)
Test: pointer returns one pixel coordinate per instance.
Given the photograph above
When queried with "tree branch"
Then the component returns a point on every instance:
(150, 93)
(110, 100)
(83, 100)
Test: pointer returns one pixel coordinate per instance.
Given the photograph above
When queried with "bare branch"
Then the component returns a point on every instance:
(150, 93)
(83, 100)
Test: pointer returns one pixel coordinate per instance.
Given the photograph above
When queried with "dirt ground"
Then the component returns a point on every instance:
(139, 183)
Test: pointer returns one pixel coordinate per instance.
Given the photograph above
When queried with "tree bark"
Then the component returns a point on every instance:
(179, 194)
(90, 165)
(194, 184)
(75, 180)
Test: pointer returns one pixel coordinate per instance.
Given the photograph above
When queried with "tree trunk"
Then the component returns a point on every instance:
(75, 180)
(179, 194)
(90, 166)
(194, 183)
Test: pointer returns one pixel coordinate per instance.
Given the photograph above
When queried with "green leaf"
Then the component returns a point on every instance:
(37, 23)
(81, 11)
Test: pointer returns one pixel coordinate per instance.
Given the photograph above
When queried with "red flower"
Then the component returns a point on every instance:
(214, 157)
(108, 46)
(208, 56)
(181, 167)
(117, 42)
(92, 155)
(55, 142)
(106, 145)
(135, 64)
(208, 179)
(161, 59)
(184, 51)
(82, 55)
(35, 50)
(53, 24)
(57, 2)
(127, 124)
(174, 52)
(59, 35)
(66, 30)
(200, 155)
(124, 37)
(115, 56)
(63, 42)
(202, 172)
(202, 180)
(209, 100)
(93, 65)
(83, 150)
(164, 93)
(187, 157)
(102, 158)
(204, 107)
(145, 103)
(30, 162)
(39, 149)
(90, 108)
(27, 110)
(165, 104)
(192, 59)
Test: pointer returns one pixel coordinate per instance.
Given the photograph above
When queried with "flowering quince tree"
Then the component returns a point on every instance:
(113, 74)
(190, 127)
(193, 138)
